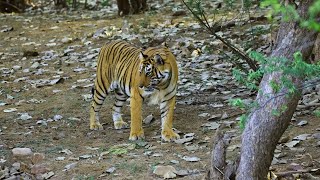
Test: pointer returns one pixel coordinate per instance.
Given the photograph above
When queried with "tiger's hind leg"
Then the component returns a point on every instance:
(167, 108)
(97, 101)
(116, 111)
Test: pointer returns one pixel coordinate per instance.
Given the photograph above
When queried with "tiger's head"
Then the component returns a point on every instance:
(153, 71)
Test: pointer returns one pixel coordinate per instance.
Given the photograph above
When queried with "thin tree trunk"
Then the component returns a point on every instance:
(263, 129)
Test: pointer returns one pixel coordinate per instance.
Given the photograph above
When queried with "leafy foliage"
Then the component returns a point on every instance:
(317, 113)
(290, 13)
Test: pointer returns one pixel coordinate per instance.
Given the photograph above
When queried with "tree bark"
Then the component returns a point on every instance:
(135, 6)
(263, 129)
(61, 3)
(123, 7)
(14, 5)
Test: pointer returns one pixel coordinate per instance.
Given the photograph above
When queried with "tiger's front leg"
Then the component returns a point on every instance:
(136, 101)
(98, 98)
(167, 108)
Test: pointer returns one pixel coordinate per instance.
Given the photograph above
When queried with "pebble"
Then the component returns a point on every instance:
(110, 170)
(47, 175)
(148, 119)
(66, 40)
(21, 151)
(70, 166)
(25, 116)
(35, 65)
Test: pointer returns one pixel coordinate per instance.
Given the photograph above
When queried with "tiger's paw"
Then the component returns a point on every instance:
(96, 126)
(169, 135)
(136, 135)
(120, 125)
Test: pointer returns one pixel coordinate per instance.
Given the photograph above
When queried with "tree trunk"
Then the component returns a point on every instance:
(123, 7)
(61, 3)
(135, 6)
(263, 129)
(316, 51)
(14, 5)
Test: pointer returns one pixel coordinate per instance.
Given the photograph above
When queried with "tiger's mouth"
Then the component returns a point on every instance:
(152, 85)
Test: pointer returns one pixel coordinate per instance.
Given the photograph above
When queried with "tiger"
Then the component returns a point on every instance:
(137, 74)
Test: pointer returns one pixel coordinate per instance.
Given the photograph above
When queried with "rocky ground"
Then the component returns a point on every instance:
(47, 67)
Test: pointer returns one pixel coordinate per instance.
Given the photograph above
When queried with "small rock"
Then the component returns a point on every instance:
(16, 67)
(301, 137)
(110, 170)
(214, 117)
(66, 40)
(66, 151)
(302, 123)
(35, 65)
(42, 122)
(21, 151)
(191, 159)
(291, 144)
(224, 116)
(166, 172)
(316, 135)
(70, 166)
(182, 172)
(212, 125)
(16, 166)
(183, 140)
(157, 155)
(204, 115)
(86, 156)
(57, 117)
(9, 110)
(174, 161)
(51, 44)
(25, 116)
(61, 158)
(7, 29)
(47, 175)
(148, 119)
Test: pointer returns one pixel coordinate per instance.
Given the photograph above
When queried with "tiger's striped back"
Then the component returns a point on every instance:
(117, 64)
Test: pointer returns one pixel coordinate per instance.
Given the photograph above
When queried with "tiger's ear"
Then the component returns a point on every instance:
(158, 59)
(142, 57)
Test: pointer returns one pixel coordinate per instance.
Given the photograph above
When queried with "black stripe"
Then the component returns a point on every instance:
(167, 100)
(163, 114)
(141, 96)
(169, 93)
(97, 103)
(99, 95)
(164, 108)
(117, 106)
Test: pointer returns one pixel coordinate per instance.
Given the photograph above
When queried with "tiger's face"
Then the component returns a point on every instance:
(152, 72)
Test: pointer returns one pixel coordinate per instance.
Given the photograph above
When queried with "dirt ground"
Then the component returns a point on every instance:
(94, 152)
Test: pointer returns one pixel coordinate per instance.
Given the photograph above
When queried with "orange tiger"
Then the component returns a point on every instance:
(136, 74)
